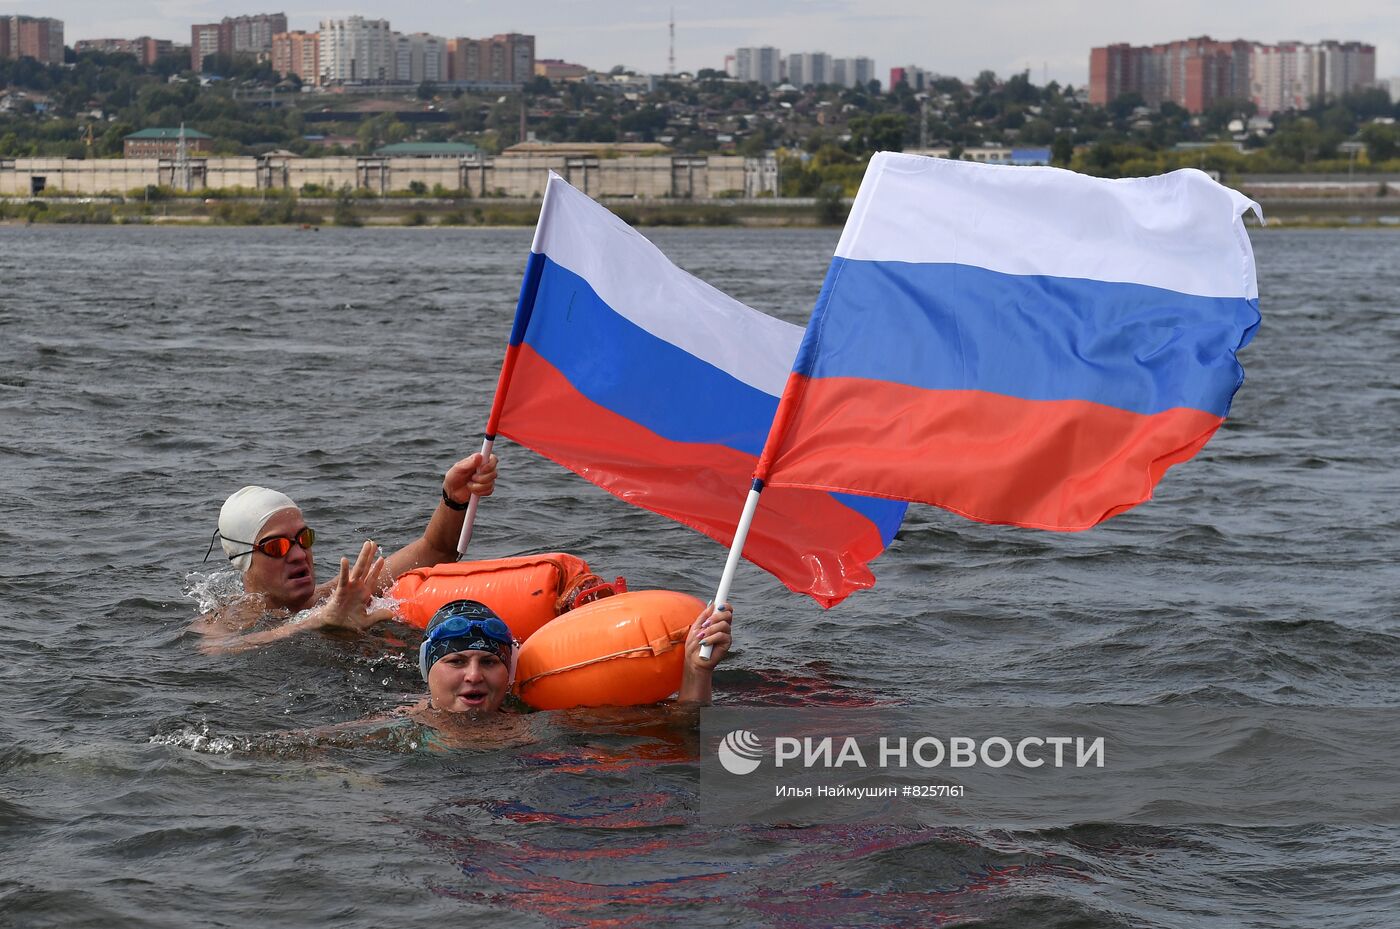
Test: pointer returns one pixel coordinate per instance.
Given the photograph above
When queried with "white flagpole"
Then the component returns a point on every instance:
(523, 308)
(465, 538)
(731, 564)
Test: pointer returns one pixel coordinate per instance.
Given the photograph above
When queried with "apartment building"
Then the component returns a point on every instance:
(297, 53)
(1192, 73)
(37, 37)
(763, 64)
(804, 68)
(145, 49)
(852, 72)
(507, 58)
(233, 35)
(355, 50)
(917, 78)
(1195, 73)
(420, 57)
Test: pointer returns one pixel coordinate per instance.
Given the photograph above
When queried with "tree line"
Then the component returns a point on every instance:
(824, 135)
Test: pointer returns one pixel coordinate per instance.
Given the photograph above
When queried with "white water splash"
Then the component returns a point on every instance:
(198, 739)
(215, 589)
(218, 589)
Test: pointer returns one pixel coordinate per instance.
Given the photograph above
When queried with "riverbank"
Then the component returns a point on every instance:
(1345, 209)
(304, 211)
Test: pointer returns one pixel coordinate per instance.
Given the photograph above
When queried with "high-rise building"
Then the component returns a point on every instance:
(419, 58)
(1195, 73)
(804, 68)
(1292, 75)
(206, 39)
(37, 37)
(145, 48)
(254, 33)
(1282, 77)
(852, 72)
(235, 35)
(297, 53)
(356, 50)
(1344, 67)
(917, 78)
(508, 58)
(762, 65)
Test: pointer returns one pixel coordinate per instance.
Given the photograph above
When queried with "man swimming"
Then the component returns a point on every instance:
(264, 533)
(468, 660)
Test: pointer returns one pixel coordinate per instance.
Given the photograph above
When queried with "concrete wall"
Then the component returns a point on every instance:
(19, 177)
(640, 176)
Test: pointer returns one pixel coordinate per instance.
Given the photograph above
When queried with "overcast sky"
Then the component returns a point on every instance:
(1048, 38)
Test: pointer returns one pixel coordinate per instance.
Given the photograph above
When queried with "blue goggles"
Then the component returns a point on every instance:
(468, 626)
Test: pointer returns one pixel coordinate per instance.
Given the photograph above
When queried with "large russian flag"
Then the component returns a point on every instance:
(1019, 345)
(661, 390)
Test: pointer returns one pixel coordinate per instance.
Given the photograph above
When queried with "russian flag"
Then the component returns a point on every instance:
(661, 390)
(1019, 345)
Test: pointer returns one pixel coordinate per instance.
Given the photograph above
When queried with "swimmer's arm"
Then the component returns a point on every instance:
(438, 543)
(221, 640)
(711, 626)
(347, 608)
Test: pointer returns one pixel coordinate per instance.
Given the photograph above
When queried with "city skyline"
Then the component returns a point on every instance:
(1053, 42)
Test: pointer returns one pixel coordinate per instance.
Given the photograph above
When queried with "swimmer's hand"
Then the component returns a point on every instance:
(711, 627)
(470, 476)
(348, 605)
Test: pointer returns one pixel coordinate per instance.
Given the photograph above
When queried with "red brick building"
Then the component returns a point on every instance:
(1192, 73)
(34, 37)
(1195, 73)
(164, 143)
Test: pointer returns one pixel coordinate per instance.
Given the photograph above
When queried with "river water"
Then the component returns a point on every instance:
(146, 373)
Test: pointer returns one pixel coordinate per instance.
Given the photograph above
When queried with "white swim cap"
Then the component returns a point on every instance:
(244, 514)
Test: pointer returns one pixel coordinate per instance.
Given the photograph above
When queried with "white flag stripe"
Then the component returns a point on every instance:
(1160, 231)
(639, 283)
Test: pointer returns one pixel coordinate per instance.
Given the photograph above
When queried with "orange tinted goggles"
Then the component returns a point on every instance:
(279, 546)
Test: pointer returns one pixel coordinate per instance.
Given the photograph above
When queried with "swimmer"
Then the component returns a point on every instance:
(468, 660)
(264, 533)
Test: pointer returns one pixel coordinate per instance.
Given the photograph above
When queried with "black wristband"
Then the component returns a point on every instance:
(453, 504)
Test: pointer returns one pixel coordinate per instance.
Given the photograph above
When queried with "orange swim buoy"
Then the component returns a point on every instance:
(526, 591)
(624, 650)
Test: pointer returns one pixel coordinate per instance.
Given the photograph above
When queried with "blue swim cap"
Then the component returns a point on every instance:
(464, 625)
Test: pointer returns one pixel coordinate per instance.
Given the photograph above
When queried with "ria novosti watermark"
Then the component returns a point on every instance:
(740, 752)
(1032, 767)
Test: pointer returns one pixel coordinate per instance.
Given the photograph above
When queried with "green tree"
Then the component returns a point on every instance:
(1300, 140)
(1122, 106)
(831, 208)
(344, 214)
(883, 133)
(1382, 141)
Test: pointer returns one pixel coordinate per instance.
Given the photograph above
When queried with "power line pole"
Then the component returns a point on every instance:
(671, 56)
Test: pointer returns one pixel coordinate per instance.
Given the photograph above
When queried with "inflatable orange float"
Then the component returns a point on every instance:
(624, 650)
(526, 591)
